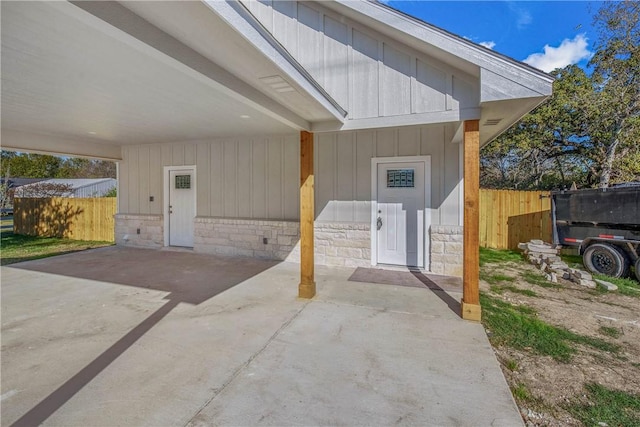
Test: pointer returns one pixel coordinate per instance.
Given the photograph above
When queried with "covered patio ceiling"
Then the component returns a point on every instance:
(86, 78)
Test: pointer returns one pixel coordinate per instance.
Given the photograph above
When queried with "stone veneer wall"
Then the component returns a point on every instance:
(336, 244)
(343, 244)
(150, 226)
(446, 250)
(245, 237)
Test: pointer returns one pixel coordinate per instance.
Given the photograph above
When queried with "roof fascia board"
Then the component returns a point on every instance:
(401, 120)
(57, 145)
(498, 88)
(404, 27)
(119, 22)
(242, 20)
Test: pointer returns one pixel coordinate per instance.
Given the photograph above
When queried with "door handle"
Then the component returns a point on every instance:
(379, 223)
(170, 207)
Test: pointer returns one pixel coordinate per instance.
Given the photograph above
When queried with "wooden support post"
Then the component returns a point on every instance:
(471, 270)
(307, 287)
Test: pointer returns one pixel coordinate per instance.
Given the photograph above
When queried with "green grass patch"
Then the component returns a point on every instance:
(610, 331)
(616, 408)
(494, 256)
(572, 260)
(511, 365)
(535, 278)
(521, 393)
(495, 278)
(517, 327)
(625, 286)
(17, 248)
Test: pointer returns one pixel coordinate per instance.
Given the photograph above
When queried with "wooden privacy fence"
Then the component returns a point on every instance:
(72, 218)
(508, 217)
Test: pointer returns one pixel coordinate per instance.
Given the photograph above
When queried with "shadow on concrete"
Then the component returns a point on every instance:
(413, 278)
(452, 303)
(189, 278)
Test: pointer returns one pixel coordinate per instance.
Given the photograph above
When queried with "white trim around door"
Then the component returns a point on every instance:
(423, 226)
(167, 170)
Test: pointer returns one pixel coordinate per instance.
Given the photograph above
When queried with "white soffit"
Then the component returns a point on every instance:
(69, 74)
(226, 33)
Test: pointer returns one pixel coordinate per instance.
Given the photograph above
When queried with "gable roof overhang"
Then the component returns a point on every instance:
(86, 78)
(509, 89)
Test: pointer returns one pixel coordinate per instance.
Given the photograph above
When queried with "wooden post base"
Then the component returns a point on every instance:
(471, 312)
(307, 290)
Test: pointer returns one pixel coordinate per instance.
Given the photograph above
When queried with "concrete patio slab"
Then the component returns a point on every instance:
(90, 348)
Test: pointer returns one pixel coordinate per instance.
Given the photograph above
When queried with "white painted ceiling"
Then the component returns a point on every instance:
(67, 73)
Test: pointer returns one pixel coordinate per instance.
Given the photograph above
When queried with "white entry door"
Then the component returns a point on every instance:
(400, 214)
(181, 208)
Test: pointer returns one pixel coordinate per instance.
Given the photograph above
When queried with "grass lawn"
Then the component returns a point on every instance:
(532, 343)
(16, 248)
(626, 286)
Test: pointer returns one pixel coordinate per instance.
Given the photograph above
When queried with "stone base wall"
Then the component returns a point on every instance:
(246, 237)
(151, 230)
(446, 250)
(340, 244)
(336, 244)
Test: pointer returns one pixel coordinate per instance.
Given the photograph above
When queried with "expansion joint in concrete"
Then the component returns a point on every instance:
(240, 368)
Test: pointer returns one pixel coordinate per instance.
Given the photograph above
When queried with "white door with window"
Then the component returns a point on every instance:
(181, 208)
(399, 221)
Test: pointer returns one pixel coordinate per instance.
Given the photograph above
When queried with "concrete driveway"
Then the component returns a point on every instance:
(124, 337)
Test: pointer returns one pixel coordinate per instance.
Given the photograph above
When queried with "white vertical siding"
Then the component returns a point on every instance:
(369, 74)
(237, 178)
(336, 54)
(343, 170)
(395, 90)
(430, 89)
(364, 76)
(259, 177)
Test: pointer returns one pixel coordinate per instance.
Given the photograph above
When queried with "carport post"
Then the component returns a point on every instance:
(471, 266)
(307, 286)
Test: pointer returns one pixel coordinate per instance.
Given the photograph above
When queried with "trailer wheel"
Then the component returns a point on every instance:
(605, 259)
(637, 267)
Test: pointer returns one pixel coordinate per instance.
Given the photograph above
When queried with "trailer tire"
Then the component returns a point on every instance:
(601, 258)
(637, 267)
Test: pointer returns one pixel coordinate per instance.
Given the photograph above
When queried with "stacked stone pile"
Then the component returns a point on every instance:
(545, 257)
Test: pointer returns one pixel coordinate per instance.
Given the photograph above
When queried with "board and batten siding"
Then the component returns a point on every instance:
(367, 73)
(235, 178)
(258, 178)
(343, 170)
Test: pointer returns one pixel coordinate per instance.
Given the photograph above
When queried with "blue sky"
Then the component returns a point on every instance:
(545, 34)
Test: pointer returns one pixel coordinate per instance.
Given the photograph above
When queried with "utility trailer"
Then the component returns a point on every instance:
(604, 224)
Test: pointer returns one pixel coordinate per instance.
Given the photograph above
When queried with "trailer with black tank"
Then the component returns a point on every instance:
(603, 224)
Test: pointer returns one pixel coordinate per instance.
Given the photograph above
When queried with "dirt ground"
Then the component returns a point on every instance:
(553, 385)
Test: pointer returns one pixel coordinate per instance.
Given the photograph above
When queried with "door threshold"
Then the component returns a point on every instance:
(392, 267)
(177, 249)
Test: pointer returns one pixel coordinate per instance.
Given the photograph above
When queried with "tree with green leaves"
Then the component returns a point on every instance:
(545, 149)
(614, 114)
(588, 132)
(26, 165)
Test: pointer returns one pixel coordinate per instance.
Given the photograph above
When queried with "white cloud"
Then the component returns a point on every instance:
(523, 16)
(569, 52)
(488, 45)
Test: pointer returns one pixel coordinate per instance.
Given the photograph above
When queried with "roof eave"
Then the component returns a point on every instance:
(253, 31)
